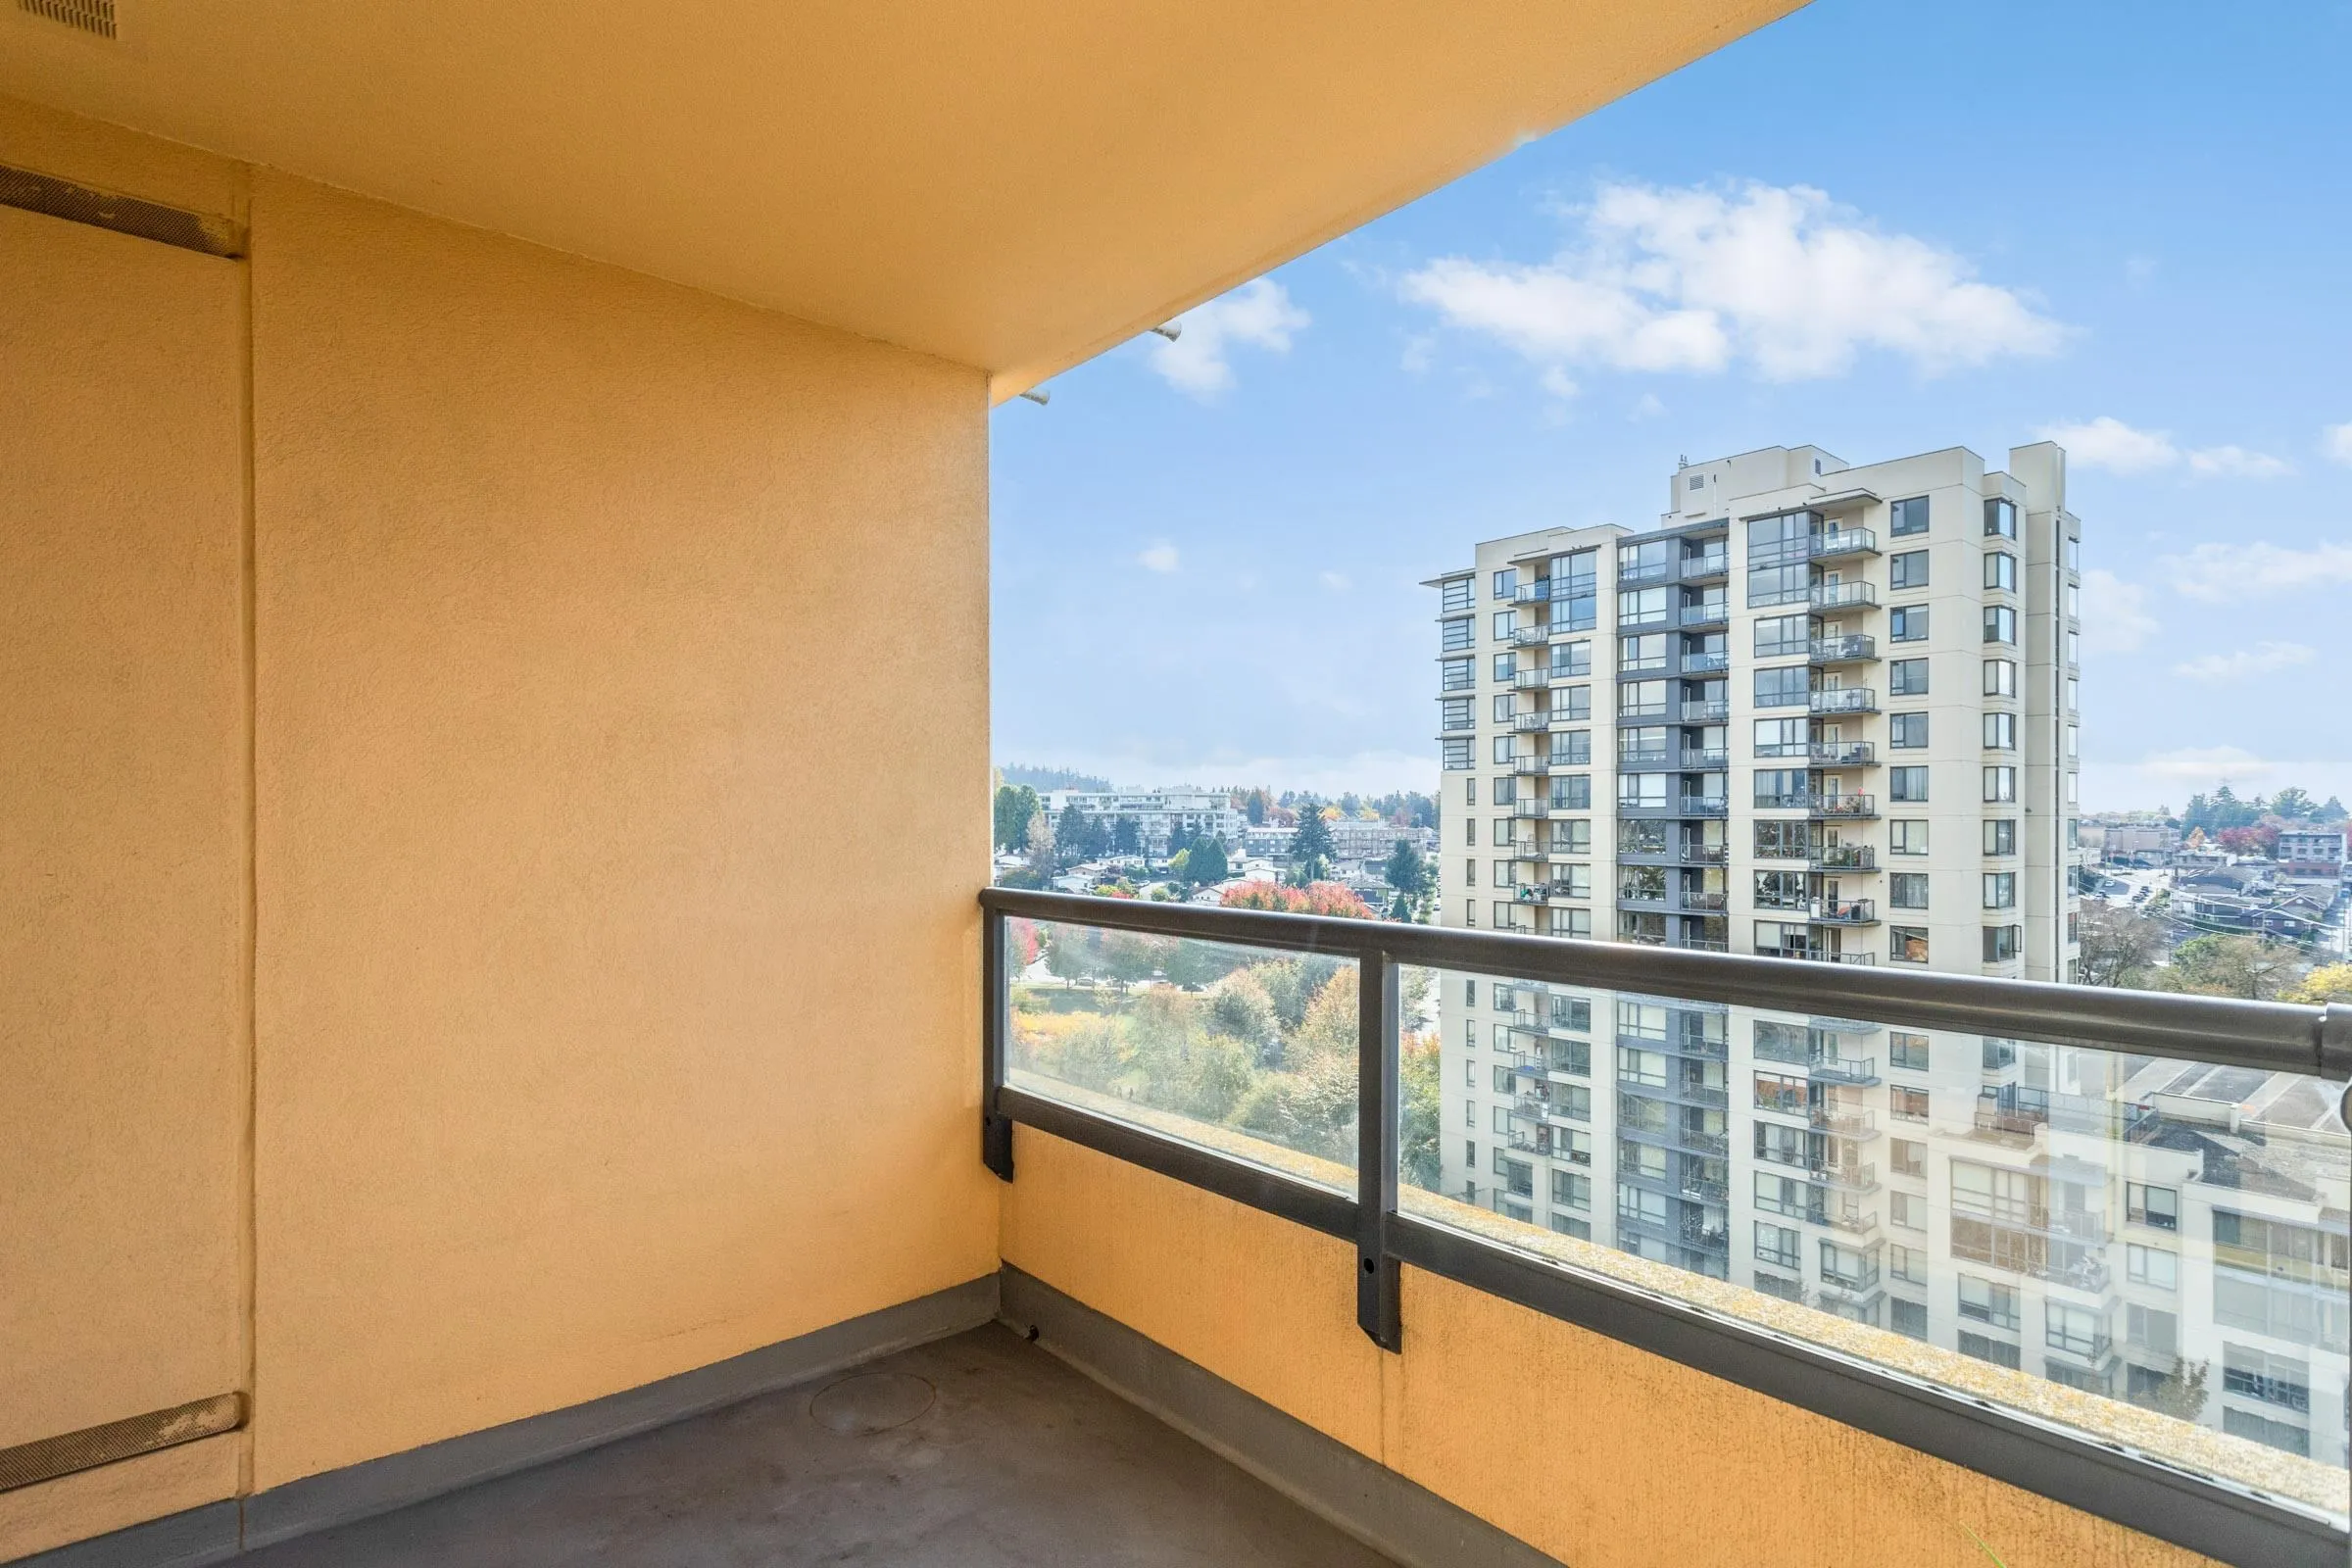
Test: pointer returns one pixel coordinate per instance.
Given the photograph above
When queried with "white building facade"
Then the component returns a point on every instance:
(1830, 714)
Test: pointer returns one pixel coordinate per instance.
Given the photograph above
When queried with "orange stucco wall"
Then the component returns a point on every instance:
(1600, 1454)
(573, 689)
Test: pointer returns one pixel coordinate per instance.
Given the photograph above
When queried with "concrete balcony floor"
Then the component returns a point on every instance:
(974, 1451)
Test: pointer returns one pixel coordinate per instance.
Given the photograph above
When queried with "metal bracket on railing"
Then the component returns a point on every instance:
(1378, 1039)
(996, 1027)
(996, 1145)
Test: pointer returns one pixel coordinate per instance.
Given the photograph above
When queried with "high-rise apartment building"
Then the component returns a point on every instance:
(1830, 714)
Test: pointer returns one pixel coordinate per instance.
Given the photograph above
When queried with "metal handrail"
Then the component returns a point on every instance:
(2271, 1036)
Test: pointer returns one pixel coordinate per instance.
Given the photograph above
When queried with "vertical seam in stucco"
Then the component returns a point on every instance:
(248, 973)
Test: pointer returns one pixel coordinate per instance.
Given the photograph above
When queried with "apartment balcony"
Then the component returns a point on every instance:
(1706, 663)
(1530, 810)
(1531, 677)
(575, 1195)
(1862, 1071)
(1703, 805)
(1707, 615)
(1530, 636)
(1703, 711)
(1689, 1228)
(1543, 1109)
(1842, 596)
(1646, 573)
(1853, 649)
(1844, 699)
(1848, 1178)
(1846, 1121)
(1556, 892)
(1832, 544)
(1841, 754)
(1702, 853)
(1818, 955)
(1533, 764)
(1696, 902)
(1534, 722)
(1695, 757)
(1851, 1221)
(1843, 858)
(1712, 1096)
(1846, 808)
(1690, 944)
(1644, 758)
(1843, 911)
(1713, 564)
(1538, 592)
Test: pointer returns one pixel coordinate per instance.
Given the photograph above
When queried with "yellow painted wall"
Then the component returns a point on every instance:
(122, 838)
(1602, 1455)
(617, 693)
(622, 699)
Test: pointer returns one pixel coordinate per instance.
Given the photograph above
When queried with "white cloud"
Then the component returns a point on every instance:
(1646, 407)
(2219, 573)
(1258, 313)
(2111, 444)
(2259, 659)
(2207, 765)
(2115, 613)
(2237, 462)
(1697, 279)
(2337, 441)
(1334, 582)
(2107, 442)
(1162, 557)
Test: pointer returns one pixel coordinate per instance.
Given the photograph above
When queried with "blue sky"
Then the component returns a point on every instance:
(1878, 228)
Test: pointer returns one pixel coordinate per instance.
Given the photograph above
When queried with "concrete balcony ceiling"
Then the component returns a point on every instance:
(1010, 188)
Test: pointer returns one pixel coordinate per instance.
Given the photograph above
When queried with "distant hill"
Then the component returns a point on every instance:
(1052, 778)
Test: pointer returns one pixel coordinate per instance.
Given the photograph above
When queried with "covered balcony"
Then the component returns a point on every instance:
(479, 1091)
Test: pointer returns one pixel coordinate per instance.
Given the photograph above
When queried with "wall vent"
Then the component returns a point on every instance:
(124, 215)
(29, 1463)
(90, 15)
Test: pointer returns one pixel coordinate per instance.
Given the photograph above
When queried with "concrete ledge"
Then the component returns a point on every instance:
(1388, 1513)
(185, 1539)
(221, 1531)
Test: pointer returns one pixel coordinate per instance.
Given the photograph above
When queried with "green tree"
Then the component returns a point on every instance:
(1067, 957)
(1129, 957)
(2294, 804)
(1417, 1115)
(1015, 804)
(1329, 1027)
(1204, 862)
(1310, 843)
(1069, 833)
(1406, 871)
(1241, 1009)
(1311, 1110)
(1126, 837)
(1193, 965)
(2229, 967)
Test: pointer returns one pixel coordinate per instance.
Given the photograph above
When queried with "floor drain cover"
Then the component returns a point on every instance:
(870, 1401)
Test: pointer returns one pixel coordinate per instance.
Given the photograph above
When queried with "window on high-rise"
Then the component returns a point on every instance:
(2000, 732)
(1908, 625)
(1907, 677)
(1506, 583)
(1907, 731)
(2000, 624)
(1907, 570)
(1908, 516)
(1907, 837)
(2000, 570)
(1907, 784)
(2000, 835)
(2001, 519)
(1907, 890)
(1907, 943)
(2000, 677)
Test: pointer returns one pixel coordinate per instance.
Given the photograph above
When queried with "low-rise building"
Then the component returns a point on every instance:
(1158, 814)
(2312, 852)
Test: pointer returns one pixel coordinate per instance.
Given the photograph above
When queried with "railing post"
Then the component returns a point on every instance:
(996, 1023)
(1377, 1048)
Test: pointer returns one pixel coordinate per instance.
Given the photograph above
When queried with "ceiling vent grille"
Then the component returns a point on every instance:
(124, 215)
(31, 1463)
(90, 15)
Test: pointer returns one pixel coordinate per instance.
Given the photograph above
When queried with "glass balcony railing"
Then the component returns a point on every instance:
(1706, 615)
(1843, 856)
(1844, 700)
(1840, 754)
(1703, 806)
(1843, 911)
(1531, 677)
(2189, 1160)
(1713, 564)
(1846, 649)
(1705, 663)
(1833, 542)
(1842, 596)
